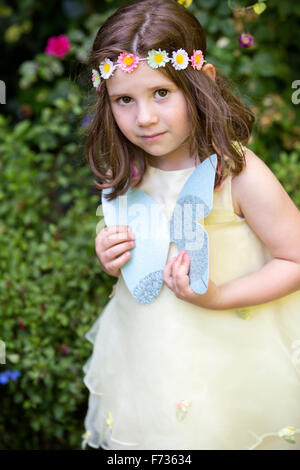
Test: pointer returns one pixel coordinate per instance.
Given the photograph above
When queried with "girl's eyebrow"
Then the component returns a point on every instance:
(164, 85)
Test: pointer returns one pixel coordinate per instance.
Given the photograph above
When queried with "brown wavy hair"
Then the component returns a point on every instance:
(218, 117)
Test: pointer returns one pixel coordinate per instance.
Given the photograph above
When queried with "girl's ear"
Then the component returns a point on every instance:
(210, 70)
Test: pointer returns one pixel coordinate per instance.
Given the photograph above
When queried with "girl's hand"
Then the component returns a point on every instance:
(176, 277)
(112, 245)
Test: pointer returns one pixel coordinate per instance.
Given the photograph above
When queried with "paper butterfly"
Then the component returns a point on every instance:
(143, 272)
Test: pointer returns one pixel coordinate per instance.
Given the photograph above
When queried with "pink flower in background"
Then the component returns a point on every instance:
(58, 46)
(64, 349)
(246, 40)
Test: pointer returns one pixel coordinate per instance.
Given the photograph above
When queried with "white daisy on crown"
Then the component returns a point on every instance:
(156, 58)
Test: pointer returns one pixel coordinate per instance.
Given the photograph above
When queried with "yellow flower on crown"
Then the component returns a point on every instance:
(96, 78)
(106, 68)
(157, 58)
(180, 59)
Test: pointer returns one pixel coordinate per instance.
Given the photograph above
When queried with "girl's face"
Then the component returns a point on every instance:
(146, 103)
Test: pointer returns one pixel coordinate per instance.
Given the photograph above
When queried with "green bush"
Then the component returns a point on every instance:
(52, 288)
(287, 170)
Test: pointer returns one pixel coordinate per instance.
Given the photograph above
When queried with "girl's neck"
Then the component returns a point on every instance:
(172, 166)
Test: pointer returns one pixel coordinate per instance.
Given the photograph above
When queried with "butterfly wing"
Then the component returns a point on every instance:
(194, 203)
(143, 272)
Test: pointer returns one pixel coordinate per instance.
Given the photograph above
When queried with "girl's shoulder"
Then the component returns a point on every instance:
(255, 176)
(267, 208)
(236, 183)
(254, 183)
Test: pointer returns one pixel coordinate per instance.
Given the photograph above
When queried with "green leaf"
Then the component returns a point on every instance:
(58, 412)
(259, 7)
(36, 425)
(264, 65)
(21, 128)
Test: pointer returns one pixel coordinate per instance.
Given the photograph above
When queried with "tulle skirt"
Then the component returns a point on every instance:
(172, 378)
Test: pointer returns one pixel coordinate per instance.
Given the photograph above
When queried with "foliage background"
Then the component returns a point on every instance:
(51, 287)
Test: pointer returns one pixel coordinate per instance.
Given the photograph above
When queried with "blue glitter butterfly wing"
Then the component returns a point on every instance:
(194, 203)
(143, 272)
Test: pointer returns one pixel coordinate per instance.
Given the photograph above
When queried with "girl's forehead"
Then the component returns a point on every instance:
(143, 77)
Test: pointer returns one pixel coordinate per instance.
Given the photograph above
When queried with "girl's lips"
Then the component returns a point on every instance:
(153, 137)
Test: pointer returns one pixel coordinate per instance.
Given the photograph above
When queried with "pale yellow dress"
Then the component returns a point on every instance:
(171, 375)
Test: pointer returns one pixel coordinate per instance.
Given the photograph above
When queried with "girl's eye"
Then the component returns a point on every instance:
(164, 90)
(122, 98)
(163, 93)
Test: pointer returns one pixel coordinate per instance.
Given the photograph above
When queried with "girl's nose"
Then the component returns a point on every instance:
(146, 115)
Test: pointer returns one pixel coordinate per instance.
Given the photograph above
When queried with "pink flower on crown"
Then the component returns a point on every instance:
(128, 62)
(58, 46)
(197, 59)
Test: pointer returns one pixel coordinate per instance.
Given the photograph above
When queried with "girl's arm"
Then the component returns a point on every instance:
(276, 220)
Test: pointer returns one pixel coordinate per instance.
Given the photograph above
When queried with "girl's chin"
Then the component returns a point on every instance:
(157, 150)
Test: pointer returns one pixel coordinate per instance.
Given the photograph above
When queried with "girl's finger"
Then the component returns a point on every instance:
(175, 268)
(172, 263)
(180, 274)
(167, 274)
(177, 263)
(117, 250)
(118, 262)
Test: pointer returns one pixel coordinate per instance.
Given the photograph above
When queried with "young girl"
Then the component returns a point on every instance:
(218, 370)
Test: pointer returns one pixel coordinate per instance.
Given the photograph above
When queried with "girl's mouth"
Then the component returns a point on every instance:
(153, 136)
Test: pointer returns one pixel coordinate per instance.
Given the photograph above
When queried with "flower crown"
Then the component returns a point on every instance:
(127, 62)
